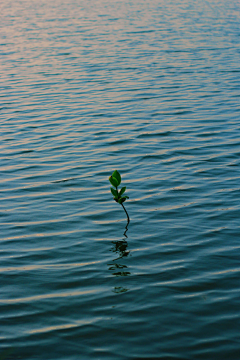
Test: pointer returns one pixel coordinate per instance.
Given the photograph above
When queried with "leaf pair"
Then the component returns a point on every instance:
(115, 180)
(122, 199)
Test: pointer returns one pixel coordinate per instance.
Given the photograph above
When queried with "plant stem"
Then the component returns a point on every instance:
(126, 214)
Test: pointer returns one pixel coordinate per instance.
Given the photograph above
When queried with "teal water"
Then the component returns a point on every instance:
(150, 88)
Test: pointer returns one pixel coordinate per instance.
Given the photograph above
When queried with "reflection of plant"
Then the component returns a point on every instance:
(119, 289)
(115, 180)
(120, 247)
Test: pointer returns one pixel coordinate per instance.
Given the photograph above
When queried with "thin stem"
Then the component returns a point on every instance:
(128, 219)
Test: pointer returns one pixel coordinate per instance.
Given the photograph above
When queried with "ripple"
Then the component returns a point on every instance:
(46, 296)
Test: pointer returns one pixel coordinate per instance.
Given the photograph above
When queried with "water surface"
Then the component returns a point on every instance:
(150, 88)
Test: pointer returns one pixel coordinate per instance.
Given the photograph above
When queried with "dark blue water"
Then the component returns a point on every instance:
(150, 88)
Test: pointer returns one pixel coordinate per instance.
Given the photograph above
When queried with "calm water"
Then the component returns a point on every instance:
(150, 88)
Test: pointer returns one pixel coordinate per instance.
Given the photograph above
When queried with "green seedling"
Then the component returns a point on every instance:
(115, 180)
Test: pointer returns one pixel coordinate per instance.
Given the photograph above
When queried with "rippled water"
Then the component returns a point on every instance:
(150, 88)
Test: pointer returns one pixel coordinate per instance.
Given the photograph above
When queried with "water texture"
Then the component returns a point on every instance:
(150, 88)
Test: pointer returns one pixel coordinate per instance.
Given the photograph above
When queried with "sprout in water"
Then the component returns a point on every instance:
(115, 180)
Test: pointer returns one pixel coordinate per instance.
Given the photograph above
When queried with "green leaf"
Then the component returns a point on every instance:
(113, 181)
(122, 190)
(122, 199)
(114, 192)
(117, 176)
